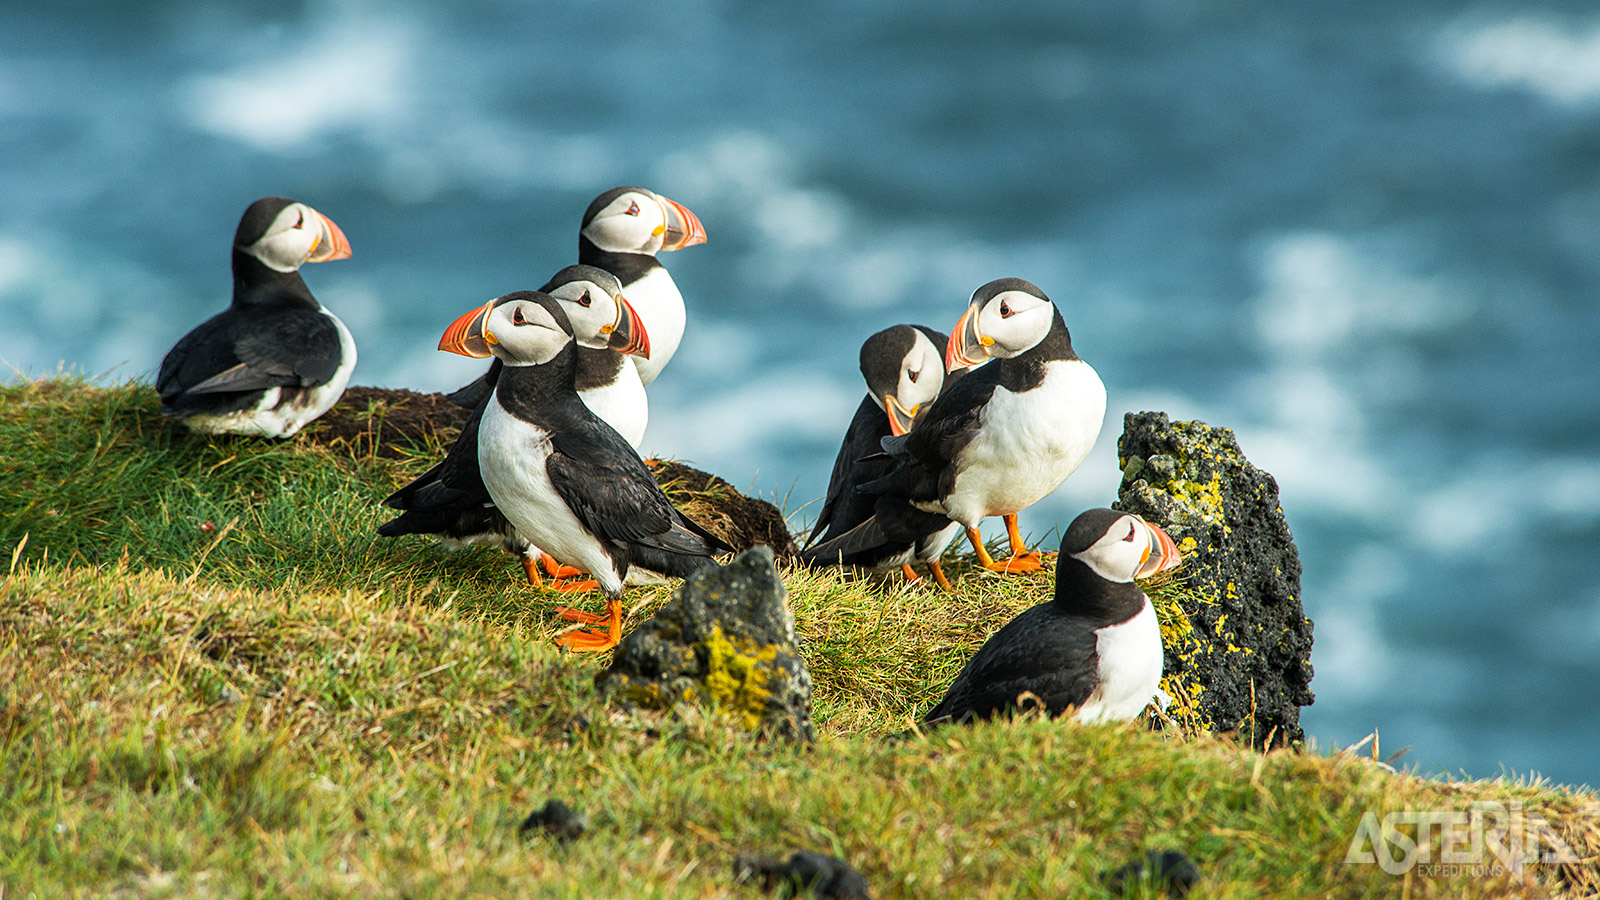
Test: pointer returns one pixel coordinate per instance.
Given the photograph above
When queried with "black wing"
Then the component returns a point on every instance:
(232, 355)
(449, 499)
(926, 456)
(609, 489)
(846, 507)
(1041, 651)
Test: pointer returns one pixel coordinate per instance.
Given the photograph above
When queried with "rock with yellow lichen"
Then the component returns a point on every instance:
(725, 640)
(1244, 657)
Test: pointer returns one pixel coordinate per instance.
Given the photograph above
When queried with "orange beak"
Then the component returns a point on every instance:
(1162, 554)
(627, 333)
(683, 228)
(331, 242)
(900, 418)
(470, 335)
(967, 348)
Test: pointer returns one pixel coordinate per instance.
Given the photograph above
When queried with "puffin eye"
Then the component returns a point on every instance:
(1005, 310)
(633, 208)
(517, 319)
(584, 300)
(300, 222)
(913, 375)
(1131, 532)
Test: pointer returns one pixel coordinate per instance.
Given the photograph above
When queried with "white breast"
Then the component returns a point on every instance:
(1130, 668)
(511, 457)
(284, 411)
(1028, 443)
(622, 404)
(656, 299)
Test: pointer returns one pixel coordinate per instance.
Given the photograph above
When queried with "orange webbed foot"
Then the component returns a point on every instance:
(1016, 565)
(575, 587)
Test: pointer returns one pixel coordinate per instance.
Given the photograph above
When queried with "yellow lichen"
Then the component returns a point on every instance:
(737, 674)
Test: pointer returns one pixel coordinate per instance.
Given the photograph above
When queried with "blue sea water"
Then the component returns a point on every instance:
(1366, 236)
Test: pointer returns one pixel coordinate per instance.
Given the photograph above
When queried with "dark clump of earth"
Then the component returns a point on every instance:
(805, 874)
(399, 424)
(1172, 871)
(557, 820)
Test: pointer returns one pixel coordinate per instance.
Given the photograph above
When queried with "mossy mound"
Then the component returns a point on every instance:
(1242, 660)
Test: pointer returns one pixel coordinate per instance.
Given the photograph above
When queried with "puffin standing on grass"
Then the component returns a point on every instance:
(904, 369)
(1095, 648)
(1008, 433)
(450, 501)
(622, 231)
(275, 359)
(564, 479)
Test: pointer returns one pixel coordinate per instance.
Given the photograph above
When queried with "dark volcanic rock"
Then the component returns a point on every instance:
(804, 874)
(1248, 667)
(726, 639)
(557, 820)
(1173, 871)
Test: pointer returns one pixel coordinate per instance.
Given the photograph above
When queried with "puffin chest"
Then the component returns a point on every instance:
(1028, 442)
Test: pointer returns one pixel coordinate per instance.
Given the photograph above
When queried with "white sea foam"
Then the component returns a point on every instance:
(1555, 60)
(348, 75)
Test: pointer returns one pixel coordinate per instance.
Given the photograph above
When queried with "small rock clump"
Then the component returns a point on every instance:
(1243, 661)
(557, 820)
(1172, 871)
(726, 640)
(806, 874)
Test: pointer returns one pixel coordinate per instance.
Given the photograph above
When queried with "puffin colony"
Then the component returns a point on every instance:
(985, 421)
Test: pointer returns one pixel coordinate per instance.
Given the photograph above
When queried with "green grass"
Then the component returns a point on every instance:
(292, 707)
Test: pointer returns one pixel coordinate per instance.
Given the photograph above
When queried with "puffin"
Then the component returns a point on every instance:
(1008, 433)
(450, 501)
(276, 358)
(563, 478)
(621, 232)
(1094, 648)
(904, 369)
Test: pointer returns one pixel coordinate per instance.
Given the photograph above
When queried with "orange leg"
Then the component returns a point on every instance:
(1019, 547)
(911, 575)
(557, 570)
(1014, 565)
(584, 641)
(531, 568)
(938, 575)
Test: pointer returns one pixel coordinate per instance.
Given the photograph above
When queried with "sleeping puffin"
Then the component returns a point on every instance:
(904, 369)
(622, 231)
(564, 479)
(1095, 648)
(450, 501)
(1008, 433)
(275, 359)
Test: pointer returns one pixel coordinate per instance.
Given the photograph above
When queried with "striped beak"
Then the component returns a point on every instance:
(627, 333)
(1160, 555)
(470, 334)
(968, 348)
(683, 229)
(900, 419)
(331, 242)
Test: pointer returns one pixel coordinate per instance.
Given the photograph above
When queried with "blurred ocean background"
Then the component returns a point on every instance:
(1365, 236)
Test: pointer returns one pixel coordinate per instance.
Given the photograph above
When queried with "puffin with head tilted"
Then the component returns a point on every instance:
(1095, 648)
(275, 359)
(904, 369)
(622, 231)
(1008, 433)
(450, 501)
(564, 479)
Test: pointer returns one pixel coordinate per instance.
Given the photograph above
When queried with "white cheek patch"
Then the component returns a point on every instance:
(929, 365)
(1113, 558)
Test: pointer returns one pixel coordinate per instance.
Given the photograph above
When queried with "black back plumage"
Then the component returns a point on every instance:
(272, 334)
(1049, 650)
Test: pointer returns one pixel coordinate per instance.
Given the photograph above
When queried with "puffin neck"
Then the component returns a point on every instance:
(1025, 370)
(542, 394)
(1081, 591)
(628, 267)
(257, 284)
